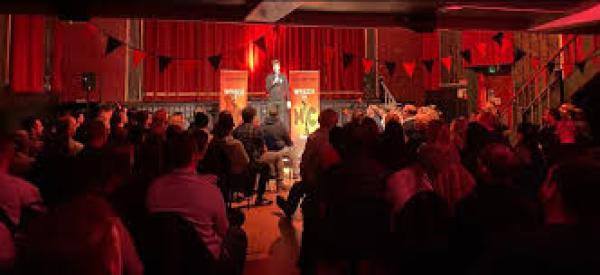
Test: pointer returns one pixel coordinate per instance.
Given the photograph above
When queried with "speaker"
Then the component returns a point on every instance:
(88, 81)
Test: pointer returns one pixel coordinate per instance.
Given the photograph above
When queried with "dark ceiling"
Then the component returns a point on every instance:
(419, 15)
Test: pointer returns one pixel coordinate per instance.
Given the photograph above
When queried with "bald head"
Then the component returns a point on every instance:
(328, 118)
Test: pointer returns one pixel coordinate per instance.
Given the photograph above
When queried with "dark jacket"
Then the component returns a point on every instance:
(276, 134)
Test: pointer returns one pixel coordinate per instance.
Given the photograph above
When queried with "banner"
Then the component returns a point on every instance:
(305, 98)
(233, 92)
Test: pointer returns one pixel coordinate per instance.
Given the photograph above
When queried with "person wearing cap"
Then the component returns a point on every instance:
(278, 142)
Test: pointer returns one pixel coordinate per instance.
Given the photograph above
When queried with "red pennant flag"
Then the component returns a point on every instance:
(482, 48)
(447, 62)
(409, 67)
(138, 56)
(367, 65)
(535, 62)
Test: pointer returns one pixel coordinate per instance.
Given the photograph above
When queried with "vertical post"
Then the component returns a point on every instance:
(561, 85)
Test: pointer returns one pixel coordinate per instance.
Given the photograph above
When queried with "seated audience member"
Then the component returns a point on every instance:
(82, 234)
(200, 123)
(35, 129)
(197, 198)
(16, 194)
(495, 208)
(278, 142)
(318, 156)
(253, 139)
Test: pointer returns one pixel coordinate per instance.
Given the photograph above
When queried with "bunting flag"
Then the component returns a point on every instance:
(535, 62)
(138, 56)
(447, 62)
(367, 65)
(164, 62)
(409, 67)
(581, 65)
(215, 61)
(550, 66)
(391, 67)
(111, 45)
(518, 55)
(428, 64)
(261, 43)
(347, 59)
(498, 38)
(482, 48)
(466, 55)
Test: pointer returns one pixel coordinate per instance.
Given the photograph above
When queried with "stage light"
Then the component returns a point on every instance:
(251, 57)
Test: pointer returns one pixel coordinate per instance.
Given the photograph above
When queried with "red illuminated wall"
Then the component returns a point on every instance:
(80, 48)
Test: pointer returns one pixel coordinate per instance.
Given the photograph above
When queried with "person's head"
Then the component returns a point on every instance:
(177, 119)
(360, 136)
(201, 120)
(67, 126)
(526, 133)
(477, 136)
(143, 119)
(224, 125)
(105, 113)
(173, 130)
(248, 114)
(276, 66)
(160, 118)
(409, 111)
(34, 126)
(80, 117)
(394, 131)
(328, 119)
(392, 116)
(119, 118)
(96, 134)
(182, 150)
(497, 164)
(7, 152)
(577, 182)
(458, 131)
(551, 117)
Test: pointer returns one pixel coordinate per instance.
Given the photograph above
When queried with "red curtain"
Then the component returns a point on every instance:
(485, 51)
(190, 75)
(431, 51)
(27, 58)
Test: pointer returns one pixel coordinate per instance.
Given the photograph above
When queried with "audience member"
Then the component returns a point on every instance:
(278, 144)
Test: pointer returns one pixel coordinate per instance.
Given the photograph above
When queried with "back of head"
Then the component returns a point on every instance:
(248, 114)
(96, 132)
(201, 120)
(173, 130)
(181, 150)
(360, 136)
(394, 131)
(328, 118)
(224, 125)
(477, 136)
(141, 117)
(160, 118)
(497, 162)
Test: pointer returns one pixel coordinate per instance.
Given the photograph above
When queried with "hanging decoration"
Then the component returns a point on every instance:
(428, 64)
(215, 61)
(164, 62)
(550, 66)
(111, 45)
(391, 67)
(518, 55)
(261, 43)
(138, 56)
(347, 59)
(367, 65)
(447, 62)
(466, 55)
(581, 65)
(409, 67)
(498, 38)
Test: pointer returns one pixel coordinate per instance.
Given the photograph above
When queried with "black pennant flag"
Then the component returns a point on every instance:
(428, 64)
(391, 67)
(466, 55)
(347, 59)
(163, 62)
(550, 66)
(111, 45)
(261, 43)
(215, 61)
(498, 38)
(519, 54)
(581, 65)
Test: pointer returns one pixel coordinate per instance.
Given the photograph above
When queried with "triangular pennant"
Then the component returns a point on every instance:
(498, 38)
(391, 67)
(409, 67)
(367, 65)
(447, 62)
(138, 56)
(550, 66)
(347, 59)
(535, 62)
(261, 43)
(215, 61)
(466, 55)
(163, 62)
(581, 65)
(482, 48)
(428, 64)
(518, 55)
(111, 45)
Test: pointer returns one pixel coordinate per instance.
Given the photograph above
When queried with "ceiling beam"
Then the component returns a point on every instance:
(271, 11)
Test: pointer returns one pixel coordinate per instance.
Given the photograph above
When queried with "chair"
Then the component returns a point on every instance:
(171, 246)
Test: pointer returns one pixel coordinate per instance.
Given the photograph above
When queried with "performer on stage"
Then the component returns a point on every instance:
(278, 88)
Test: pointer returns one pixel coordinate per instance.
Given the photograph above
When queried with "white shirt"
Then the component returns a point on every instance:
(15, 194)
(197, 199)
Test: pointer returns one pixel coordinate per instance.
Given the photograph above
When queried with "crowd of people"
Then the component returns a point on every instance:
(399, 192)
